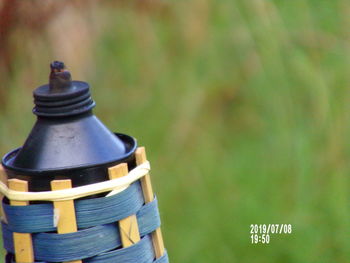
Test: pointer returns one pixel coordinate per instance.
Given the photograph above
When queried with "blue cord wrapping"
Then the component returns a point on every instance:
(127, 256)
(89, 212)
(98, 239)
(84, 243)
(141, 252)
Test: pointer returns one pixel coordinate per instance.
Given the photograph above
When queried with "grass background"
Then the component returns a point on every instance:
(243, 107)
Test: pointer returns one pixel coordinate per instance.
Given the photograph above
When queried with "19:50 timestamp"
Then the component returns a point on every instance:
(263, 239)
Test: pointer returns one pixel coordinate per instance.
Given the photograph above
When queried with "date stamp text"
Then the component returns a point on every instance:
(261, 233)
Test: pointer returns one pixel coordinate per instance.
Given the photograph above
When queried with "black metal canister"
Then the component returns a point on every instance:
(67, 140)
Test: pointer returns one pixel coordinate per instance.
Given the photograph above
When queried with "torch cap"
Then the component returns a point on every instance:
(67, 139)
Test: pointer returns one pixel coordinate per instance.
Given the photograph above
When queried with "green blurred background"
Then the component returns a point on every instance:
(243, 107)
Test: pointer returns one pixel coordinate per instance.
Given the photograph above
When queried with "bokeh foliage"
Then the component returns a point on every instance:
(243, 107)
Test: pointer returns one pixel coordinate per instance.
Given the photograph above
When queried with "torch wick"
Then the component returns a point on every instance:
(60, 78)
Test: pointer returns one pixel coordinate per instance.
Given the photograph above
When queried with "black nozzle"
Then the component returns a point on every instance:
(62, 96)
(60, 78)
(57, 66)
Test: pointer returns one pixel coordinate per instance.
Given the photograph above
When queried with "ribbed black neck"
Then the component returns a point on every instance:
(72, 100)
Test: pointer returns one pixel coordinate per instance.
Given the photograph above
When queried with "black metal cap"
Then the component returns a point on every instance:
(67, 139)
